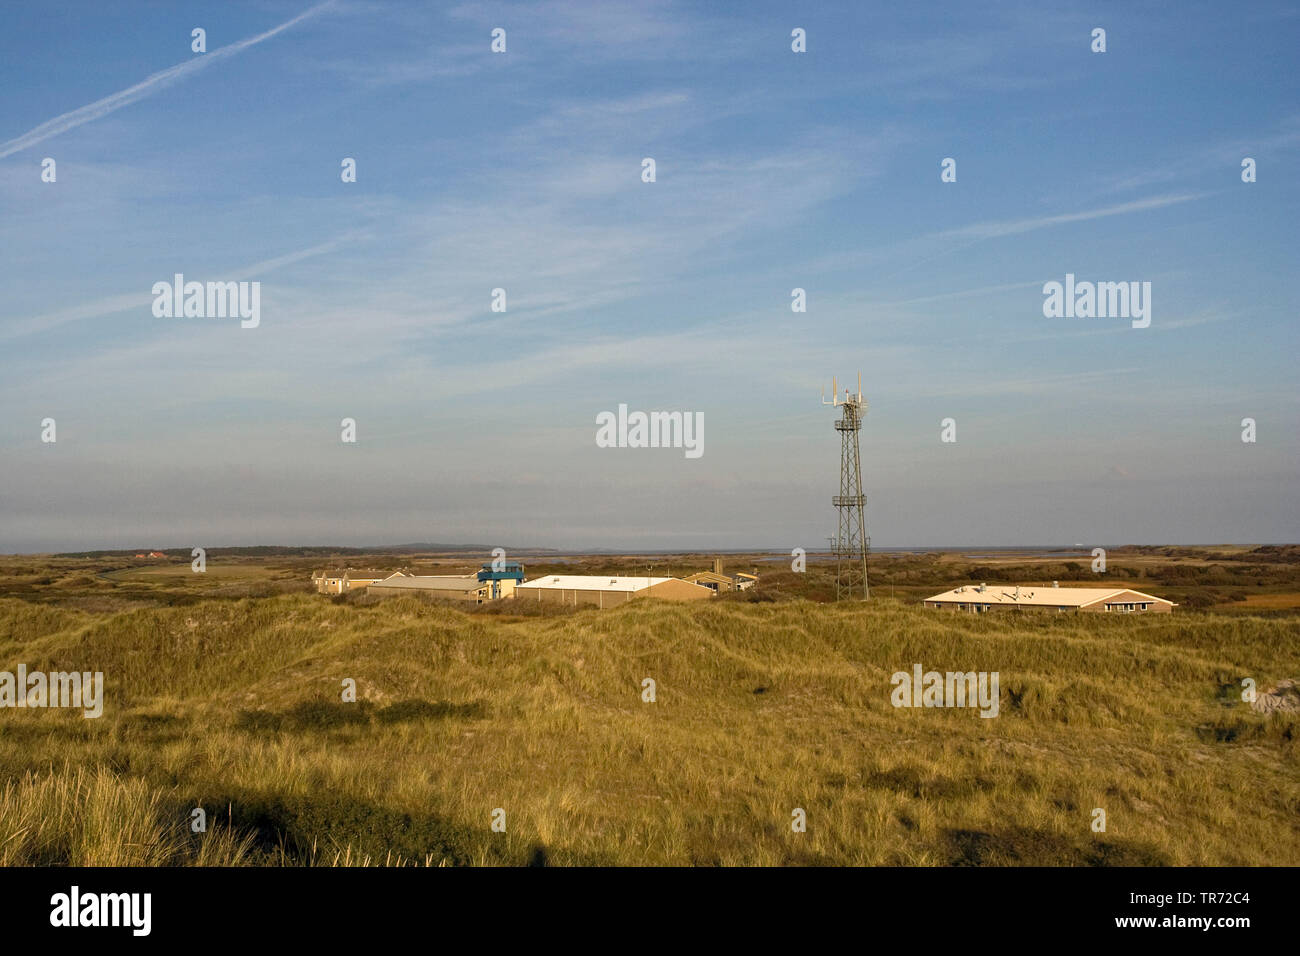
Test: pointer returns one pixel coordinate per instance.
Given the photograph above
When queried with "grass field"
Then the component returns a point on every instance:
(231, 701)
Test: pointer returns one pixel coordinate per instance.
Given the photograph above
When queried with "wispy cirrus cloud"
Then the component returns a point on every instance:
(146, 87)
(113, 304)
(1011, 227)
(1215, 159)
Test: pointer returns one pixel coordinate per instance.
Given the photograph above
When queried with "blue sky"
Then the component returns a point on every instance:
(521, 170)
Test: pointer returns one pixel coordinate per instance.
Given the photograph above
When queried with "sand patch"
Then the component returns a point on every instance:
(1284, 698)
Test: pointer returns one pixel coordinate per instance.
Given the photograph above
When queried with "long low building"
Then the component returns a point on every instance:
(605, 591)
(336, 582)
(449, 587)
(984, 597)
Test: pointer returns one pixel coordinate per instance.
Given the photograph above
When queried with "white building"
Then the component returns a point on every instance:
(995, 597)
(605, 590)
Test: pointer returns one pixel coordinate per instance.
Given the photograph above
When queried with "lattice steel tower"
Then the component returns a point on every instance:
(852, 544)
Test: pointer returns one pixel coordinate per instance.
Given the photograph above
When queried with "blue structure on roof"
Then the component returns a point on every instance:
(509, 571)
(501, 571)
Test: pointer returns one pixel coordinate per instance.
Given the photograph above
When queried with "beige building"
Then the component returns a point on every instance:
(720, 583)
(602, 591)
(1002, 597)
(337, 582)
(446, 586)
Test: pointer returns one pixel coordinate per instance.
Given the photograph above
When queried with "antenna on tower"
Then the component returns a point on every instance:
(848, 398)
(852, 544)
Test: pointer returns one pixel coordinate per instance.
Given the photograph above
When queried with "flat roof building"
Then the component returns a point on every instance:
(607, 590)
(450, 587)
(996, 597)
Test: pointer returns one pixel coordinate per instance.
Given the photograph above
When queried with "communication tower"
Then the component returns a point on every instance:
(851, 544)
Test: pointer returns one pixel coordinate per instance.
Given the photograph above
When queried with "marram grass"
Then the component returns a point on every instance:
(235, 707)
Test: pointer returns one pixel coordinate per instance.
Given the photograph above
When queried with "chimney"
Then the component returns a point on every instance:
(717, 565)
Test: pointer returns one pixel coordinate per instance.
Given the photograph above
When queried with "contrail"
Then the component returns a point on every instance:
(131, 94)
(139, 300)
(994, 230)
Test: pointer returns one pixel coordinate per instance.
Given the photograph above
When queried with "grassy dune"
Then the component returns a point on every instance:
(234, 705)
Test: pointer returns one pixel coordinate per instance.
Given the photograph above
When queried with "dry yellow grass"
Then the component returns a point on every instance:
(235, 706)
(81, 817)
(1260, 601)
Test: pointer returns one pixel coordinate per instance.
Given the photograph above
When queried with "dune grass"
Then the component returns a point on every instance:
(82, 817)
(762, 708)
